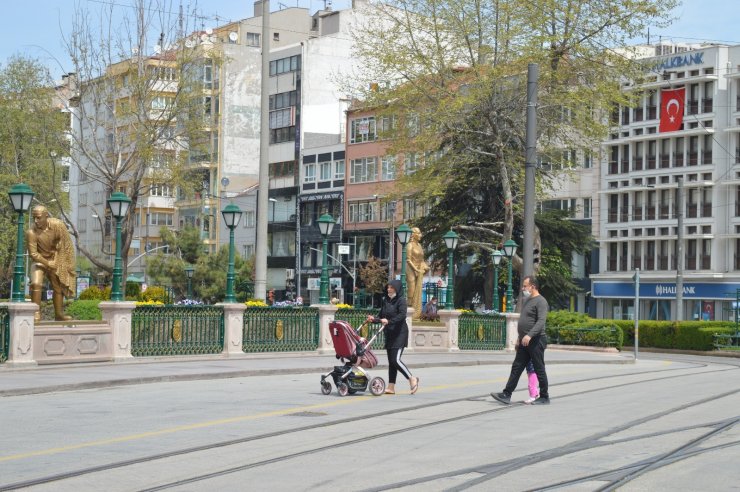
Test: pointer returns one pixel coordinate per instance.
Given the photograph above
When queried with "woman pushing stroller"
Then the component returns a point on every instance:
(393, 317)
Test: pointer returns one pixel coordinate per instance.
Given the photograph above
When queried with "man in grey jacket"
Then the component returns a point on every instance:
(530, 344)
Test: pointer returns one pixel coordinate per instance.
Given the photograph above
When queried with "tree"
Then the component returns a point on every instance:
(374, 275)
(209, 275)
(453, 87)
(32, 141)
(139, 114)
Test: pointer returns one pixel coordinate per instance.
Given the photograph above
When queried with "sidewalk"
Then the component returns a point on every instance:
(52, 378)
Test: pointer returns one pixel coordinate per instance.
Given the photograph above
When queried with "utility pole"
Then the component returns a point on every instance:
(679, 250)
(392, 242)
(530, 164)
(260, 267)
(636, 279)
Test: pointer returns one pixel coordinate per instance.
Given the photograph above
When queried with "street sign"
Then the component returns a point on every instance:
(343, 249)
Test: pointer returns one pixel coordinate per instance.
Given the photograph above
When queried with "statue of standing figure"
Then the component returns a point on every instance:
(50, 248)
(416, 267)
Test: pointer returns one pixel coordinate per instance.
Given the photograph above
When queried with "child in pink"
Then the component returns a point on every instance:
(534, 384)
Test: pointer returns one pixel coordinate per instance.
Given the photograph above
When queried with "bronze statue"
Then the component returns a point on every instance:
(416, 267)
(53, 255)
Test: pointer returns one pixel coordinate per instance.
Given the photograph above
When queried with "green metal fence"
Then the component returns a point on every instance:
(280, 329)
(4, 333)
(356, 317)
(177, 330)
(727, 342)
(481, 331)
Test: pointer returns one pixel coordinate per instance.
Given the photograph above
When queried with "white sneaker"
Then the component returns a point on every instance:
(529, 400)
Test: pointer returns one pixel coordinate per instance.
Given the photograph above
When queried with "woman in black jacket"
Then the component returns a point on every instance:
(393, 316)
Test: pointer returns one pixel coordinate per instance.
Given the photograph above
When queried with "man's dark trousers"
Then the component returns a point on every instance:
(535, 352)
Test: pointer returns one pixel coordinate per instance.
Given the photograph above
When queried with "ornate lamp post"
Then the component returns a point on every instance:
(232, 215)
(118, 204)
(509, 251)
(189, 274)
(20, 196)
(451, 242)
(496, 255)
(326, 224)
(404, 236)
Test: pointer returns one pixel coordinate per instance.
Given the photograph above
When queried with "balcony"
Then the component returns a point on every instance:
(737, 155)
(612, 217)
(663, 262)
(705, 262)
(737, 207)
(706, 157)
(707, 105)
(691, 262)
(652, 112)
(649, 263)
(624, 216)
(613, 167)
(623, 264)
(637, 214)
(693, 158)
(664, 212)
(651, 162)
(737, 104)
(636, 263)
(650, 213)
(737, 262)
(678, 160)
(665, 161)
(706, 210)
(611, 265)
(692, 210)
(637, 164)
(693, 107)
(625, 166)
(639, 113)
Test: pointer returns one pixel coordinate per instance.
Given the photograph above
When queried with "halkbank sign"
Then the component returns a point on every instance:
(678, 61)
(665, 290)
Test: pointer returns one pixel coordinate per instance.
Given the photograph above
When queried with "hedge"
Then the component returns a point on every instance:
(84, 310)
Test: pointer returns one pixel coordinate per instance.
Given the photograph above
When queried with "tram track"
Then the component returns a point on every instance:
(337, 422)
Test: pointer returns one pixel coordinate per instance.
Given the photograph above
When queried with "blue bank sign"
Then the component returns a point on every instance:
(681, 61)
(665, 290)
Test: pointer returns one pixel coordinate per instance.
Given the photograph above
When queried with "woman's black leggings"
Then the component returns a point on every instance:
(396, 365)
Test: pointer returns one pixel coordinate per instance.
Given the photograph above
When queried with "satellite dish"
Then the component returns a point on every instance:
(225, 182)
(189, 43)
(204, 37)
(233, 37)
(209, 31)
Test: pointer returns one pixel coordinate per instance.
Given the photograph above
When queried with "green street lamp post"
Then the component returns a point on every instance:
(509, 251)
(20, 196)
(189, 274)
(118, 204)
(450, 239)
(403, 232)
(326, 224)
(232, 215)
(496, 255)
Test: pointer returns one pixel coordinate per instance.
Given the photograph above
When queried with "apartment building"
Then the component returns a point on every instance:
(685, 130)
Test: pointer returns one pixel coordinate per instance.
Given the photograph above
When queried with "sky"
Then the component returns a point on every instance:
(34, 27)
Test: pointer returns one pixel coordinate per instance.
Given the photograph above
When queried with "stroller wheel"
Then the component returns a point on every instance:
(343, 389)
(377, 386)
(325, 387)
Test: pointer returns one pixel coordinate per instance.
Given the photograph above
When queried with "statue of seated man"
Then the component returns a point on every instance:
(51, 251)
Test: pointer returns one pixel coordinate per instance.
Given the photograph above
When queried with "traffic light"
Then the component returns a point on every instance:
(536, 256)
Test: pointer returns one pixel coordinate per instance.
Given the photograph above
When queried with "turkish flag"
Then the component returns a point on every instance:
(671, 109)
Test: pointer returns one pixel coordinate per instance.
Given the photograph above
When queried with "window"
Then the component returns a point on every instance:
(282, 243)
(253, 39)
(325, 171)
(410, 163)
(363, 211)
(208, 74)
(161, 190)
(363, 170)
(285, 65)
(160, 103)
(310, 174)
(587, 159)
(282, 169)
(386, 124)
(279, 135)
(339, 169)
(363, 130)
(388, 168)
(247, 251)
(161, 218)
(283, 100)
(281, 118)
(248, 219)
(586, 208)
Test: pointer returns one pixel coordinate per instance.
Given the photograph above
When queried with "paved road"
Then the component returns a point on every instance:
(662, 423)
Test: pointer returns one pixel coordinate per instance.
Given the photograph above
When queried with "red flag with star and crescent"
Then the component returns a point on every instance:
(671, 109)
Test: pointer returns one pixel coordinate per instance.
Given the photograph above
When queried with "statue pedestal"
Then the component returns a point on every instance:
(233, 328)
(20, 345)
(326, 316)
